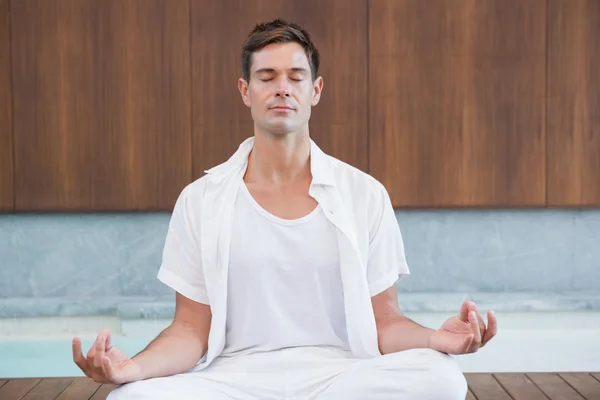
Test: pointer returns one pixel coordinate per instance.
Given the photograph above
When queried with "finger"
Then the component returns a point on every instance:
(492, 328)
(99, 355)
(78, 357)
(480, 321)
(475, 330)
(464, 311)
(468, 343)
(107, 343)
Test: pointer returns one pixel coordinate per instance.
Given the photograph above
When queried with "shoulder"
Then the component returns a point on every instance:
(192, 193)
(189, 202)
(356, 182)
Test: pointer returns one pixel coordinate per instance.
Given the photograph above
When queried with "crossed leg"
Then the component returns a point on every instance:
(422, 374)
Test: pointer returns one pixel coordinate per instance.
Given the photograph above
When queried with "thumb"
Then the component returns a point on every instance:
(109, 370)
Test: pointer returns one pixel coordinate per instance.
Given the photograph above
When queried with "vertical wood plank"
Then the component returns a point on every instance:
(585, 384)
(573, 103)
(484, 386)
(6, 130)
(457, 101)
(520, 387)
(221, 120)
(101, 104)
(14, 389)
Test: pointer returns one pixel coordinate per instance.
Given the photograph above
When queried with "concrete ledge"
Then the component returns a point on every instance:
(164, 307)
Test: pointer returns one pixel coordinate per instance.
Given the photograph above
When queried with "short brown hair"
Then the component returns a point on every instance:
(278, 31)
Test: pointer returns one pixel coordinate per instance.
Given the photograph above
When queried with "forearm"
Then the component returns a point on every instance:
(400, 333)
(175, 350)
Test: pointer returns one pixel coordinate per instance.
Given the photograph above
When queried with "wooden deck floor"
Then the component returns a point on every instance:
(505, 386)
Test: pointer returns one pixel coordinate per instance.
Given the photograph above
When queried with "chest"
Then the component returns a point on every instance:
(289, 202)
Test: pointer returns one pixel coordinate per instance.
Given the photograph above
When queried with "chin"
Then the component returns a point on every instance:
(281, 128)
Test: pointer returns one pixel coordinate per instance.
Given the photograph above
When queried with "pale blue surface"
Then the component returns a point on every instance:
(51, 358)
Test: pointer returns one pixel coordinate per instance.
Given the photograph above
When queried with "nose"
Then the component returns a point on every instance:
(283, 89)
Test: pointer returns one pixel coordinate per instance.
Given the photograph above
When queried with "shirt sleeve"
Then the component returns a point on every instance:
(181, 267)
(387, 261)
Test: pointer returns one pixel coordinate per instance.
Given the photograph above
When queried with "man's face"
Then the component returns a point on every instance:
(281, 92)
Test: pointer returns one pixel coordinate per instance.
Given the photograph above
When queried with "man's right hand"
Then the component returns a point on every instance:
(105, 363)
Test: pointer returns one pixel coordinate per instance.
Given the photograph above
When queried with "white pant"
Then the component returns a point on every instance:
(310, 373)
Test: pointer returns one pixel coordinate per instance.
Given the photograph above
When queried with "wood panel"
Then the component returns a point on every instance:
(585, 384)
(15, 389)
(221, 121)
(482, 386)
(520, 387)
(80, 388)
(101, 104)
(456, 101)
(485, 386)
(103, 392)
(48, 388)
(6, 132)
(573, 103)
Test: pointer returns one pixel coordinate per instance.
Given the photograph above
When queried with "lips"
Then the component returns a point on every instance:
(281, 108)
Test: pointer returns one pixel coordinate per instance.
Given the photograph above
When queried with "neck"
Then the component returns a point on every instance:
(279, 159)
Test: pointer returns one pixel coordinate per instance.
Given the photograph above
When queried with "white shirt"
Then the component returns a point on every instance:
(284, 281)
(196, 255)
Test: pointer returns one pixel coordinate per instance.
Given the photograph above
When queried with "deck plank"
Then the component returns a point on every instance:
(470, 395)
(48, 388)
(484, 386)
(103, 392)
(15, 389)
(584, 383)
(554, 386)
(519, 387)
(80, 388)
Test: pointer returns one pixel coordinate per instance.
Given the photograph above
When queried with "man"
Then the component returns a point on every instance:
(284, 261)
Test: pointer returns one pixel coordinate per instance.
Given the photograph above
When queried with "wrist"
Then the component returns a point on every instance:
(141, 372)
(429, 344)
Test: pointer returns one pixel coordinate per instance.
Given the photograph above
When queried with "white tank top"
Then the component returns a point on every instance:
(284, 282)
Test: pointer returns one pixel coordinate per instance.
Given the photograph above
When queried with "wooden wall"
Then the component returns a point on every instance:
(116, 105)
(102, 114)
(573, 103)
(457, 101)
(222, 121)
(6, 136)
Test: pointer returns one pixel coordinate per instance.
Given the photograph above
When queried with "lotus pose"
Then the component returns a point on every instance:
(284, 261)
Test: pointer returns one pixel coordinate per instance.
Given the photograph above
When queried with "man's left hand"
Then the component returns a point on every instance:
(465, 333)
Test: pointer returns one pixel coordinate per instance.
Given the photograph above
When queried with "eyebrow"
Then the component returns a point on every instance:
(271, 70)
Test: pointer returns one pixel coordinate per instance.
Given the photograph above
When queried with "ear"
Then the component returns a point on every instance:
(317, 90)
(243, 88)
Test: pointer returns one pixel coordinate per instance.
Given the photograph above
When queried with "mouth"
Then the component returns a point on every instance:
(282, 108)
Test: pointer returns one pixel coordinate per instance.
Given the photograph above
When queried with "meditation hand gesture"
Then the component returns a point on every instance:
(105, 363)
(465, 333)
